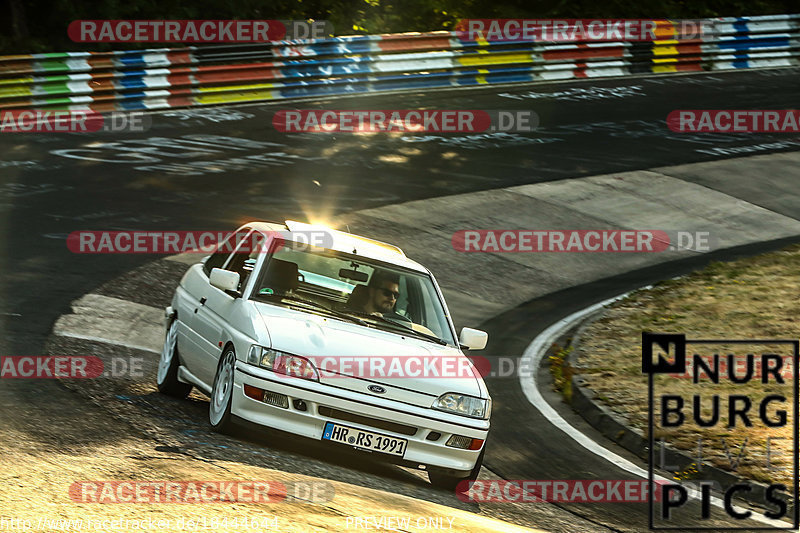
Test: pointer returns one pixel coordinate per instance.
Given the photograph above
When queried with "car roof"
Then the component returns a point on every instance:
(346, 242)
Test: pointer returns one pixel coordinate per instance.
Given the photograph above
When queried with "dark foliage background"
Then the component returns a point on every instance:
(41, 25)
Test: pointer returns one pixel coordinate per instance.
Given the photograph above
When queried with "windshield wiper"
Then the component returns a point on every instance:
(399, 326)
(311, 303)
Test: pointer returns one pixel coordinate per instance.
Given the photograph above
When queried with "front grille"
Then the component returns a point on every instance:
(367, 421)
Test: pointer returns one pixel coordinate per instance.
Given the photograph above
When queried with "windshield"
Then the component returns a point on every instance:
(370, 293)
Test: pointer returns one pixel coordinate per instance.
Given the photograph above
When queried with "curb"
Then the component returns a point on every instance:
(600, 417)
(613, 427)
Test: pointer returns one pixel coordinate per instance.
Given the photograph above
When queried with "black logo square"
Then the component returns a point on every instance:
(673, 346)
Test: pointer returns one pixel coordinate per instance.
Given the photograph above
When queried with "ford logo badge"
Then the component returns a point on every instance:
(377, 389)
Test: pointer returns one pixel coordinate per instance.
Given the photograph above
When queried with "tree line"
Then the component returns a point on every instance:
(28, 26)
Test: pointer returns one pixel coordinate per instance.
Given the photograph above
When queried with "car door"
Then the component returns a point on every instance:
(214, 309)
(193, 287)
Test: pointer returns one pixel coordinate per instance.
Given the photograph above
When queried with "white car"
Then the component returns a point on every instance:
(289, 335)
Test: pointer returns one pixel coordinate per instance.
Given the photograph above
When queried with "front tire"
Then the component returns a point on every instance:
(219, 410)
(168, 363)
(452, 483)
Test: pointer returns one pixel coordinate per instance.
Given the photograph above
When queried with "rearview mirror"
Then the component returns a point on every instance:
(224, 280)
(355, 275)
(474, 339)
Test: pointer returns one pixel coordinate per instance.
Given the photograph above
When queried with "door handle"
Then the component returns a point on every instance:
(203, 301)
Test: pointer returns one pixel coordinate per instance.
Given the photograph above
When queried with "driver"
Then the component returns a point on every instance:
(383, 291)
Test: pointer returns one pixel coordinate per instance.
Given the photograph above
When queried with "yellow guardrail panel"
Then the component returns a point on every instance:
(10, 92)
(228, 88)
(495, 59)
(225, 98)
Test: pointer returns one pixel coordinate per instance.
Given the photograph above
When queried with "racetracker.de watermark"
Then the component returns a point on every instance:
(737, 367)
(579, 241)
(734, 120)
(63, 121)
(404, 120)
(582, 30)
(69, 367)
(383, 366)
(243, 522)
(555, 490)
(201, 242)
(196, 31)
(200, 492)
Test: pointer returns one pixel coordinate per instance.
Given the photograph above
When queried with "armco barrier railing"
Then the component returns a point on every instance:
(208, 75)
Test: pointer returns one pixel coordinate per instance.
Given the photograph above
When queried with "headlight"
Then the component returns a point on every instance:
(464, 405)
(282, 363)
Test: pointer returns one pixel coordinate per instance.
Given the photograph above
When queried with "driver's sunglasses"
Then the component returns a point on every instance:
(390, 293)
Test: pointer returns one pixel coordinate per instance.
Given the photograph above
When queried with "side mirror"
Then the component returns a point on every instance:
(474, 339)
(224, 280)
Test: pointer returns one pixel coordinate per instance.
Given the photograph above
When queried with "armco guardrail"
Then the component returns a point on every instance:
(196, 76)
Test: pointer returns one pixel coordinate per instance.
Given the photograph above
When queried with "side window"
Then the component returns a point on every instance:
(429, 317)
(218, 259)
(243, 263)
(243, 260)
(414, 300)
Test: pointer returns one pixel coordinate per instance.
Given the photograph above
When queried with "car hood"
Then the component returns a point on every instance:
(354, 357)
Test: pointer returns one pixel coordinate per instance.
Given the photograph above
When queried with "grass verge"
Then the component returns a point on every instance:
(753, 298)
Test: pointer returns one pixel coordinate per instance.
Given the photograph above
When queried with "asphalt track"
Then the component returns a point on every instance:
(182, 174)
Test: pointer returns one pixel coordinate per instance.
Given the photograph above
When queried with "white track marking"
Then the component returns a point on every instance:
(113, 321)
(74, 335)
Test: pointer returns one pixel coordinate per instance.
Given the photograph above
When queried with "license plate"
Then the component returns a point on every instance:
(366, 440)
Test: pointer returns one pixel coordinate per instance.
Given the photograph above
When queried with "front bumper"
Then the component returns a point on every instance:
(420, 452)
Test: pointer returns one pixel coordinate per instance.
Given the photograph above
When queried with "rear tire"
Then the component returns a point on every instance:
(219, 409)
(168, 363)
(453, 483)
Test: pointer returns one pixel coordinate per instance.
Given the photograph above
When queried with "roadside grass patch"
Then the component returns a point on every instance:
(752, 298)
